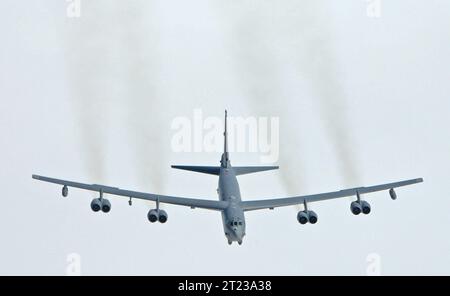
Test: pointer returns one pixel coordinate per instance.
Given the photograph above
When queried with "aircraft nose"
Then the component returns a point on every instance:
(238, 232)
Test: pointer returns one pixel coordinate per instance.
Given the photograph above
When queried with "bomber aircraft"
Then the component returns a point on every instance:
(230, 204)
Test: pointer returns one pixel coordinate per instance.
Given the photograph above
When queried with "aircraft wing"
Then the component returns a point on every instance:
(182, 201)
(289, 201)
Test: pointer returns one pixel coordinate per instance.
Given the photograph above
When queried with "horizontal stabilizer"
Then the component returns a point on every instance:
(211, 170)
(253, 169)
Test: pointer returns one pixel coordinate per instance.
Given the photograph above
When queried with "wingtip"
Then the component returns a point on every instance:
(35, 177)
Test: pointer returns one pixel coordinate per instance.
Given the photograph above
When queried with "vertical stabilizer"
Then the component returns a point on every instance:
(225, 157)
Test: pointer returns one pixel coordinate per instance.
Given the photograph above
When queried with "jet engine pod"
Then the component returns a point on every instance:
(302, 217)
(153, 216)
(365, 207)
(96, 204)
(356, 208)
(312, 216)
(106, 205)
(162, 216)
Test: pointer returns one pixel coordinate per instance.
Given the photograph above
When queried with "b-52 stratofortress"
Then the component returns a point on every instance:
(230, 204)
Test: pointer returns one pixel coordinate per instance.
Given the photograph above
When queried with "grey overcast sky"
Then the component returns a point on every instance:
(361, 101)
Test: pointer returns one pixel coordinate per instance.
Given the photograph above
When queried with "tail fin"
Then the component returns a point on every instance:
(225, 161)
(214, 170)
(253, 169)
(211, 170)
(225, 156)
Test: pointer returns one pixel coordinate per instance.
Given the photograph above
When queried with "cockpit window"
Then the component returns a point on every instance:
(236, 223)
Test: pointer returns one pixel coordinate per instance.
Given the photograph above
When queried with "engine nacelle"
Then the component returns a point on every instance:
(356, 208)
(96, 204)
(153, 216)
(312, 217)
(106, 205)
(365, 207)
(163, 216)
(393, 194)
(302, 217)
(65, 191)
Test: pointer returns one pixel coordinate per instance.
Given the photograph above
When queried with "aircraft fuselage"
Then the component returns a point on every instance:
(233, 217)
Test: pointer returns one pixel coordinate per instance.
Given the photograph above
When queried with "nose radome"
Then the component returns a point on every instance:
(239, 233)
